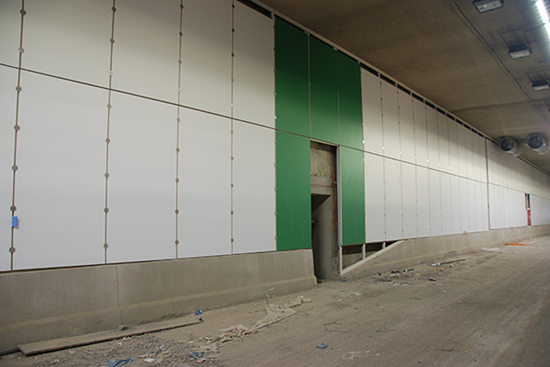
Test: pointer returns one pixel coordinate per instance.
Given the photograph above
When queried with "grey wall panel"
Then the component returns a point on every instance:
(61, 155)
(435, 203)
(420, 134)
(453, 147)
(142, 173)
(408, 174)
(433, 138)
(443, 133)
(70, 38)
(406, 125)
(374, 198)
(10, 30)
(393, 202)
(206, 55)
(423, 201)
(372, 113)
(253, 66)
(147, 44)
(390, 121)
(205, 185)
(446, 204)
(8, 81)
(254, 189)
(455, 205)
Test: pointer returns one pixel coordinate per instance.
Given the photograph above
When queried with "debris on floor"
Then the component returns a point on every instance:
(322, 346)
(448, 262)
(275, 313)
(518, 244)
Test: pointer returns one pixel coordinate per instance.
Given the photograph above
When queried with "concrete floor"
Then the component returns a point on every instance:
(493, 309)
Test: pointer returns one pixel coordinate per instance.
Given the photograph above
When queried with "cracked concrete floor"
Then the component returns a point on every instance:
(493, 309)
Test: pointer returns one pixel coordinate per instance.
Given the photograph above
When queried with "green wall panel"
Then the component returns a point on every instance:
(293, 192)
(291, 78)
(349, 102)
(324, 91)
(353, 196)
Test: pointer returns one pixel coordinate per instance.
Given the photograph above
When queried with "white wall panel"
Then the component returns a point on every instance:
(464, 205)
(372, 113)
(420, 134)
(406, 125)
(479, 158)
(8, 81)
(10, 29)
(206, 55)
(205, 186)
(374, 198)
(423, 201)
(446, 204)
(393, 202)
(253, 67)
(443, 133)
(461, 144)
(408, 175)
(453, 147)
(254, 188)
(472, 206)
(60, 180)
(70, 38)
(540, 211)
(146, 49)
(483, 216)
(493, 212)
(390, 120)
(468, 139)
(478, 187)
(455, 205)
(433, 138)
(142, 173)
(435, 203)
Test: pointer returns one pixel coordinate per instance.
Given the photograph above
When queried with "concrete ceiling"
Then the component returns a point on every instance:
(448, 52)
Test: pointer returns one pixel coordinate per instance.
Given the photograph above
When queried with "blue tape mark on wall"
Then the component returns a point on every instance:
(14, 222)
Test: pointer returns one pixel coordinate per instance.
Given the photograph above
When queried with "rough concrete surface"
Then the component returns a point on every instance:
(493, 309)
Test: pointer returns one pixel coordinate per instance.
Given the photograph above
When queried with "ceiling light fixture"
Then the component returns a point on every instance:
(543, 15)
(539, 85)
(488, 5)
(519, 51)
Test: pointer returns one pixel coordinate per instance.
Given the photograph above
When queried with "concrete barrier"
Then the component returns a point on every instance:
(47, 304)
(410, 253)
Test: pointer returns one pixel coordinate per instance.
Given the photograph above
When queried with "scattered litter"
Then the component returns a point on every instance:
(195, 355)
(120, 362)
(322, 346)
(401, 271)
(492, 249)
(447, 262)
(439, 269)
(123, 327)
(432, 279)
(518, 244)
(275, 313)
(149, 360)
(199, 312)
